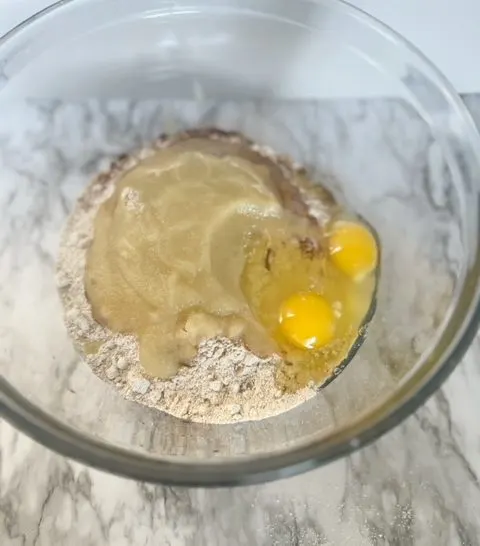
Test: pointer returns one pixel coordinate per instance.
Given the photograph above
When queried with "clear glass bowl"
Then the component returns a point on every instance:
(86, 80)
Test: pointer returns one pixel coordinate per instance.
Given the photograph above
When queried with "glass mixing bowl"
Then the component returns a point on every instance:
(86, 80)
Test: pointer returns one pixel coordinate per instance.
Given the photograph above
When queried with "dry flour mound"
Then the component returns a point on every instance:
(224, 383)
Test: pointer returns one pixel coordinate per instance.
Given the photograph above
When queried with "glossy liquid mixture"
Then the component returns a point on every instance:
(193, 245)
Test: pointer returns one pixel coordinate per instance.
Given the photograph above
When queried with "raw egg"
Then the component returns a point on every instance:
(307, 320)
(353, 249)
(310, 307)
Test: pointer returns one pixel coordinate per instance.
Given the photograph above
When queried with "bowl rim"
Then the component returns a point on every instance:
(67, 441)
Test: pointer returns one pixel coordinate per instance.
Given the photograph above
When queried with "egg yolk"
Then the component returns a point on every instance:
(307, 320)
(353, 249)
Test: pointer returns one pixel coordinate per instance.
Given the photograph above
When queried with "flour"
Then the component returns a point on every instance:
(224, 383)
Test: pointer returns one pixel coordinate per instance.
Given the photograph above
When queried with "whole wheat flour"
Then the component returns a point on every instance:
(225, 382)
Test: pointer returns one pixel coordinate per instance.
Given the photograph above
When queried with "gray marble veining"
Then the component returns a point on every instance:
(417, 485)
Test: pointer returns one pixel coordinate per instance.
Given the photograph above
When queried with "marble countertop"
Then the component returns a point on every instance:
(418, 485)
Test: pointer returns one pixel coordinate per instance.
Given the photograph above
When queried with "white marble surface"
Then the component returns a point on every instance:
(417, 485)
